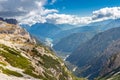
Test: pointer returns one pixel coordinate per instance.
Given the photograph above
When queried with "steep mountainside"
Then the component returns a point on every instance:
(70, 43)
(88, 53)
(111, 70)
(111, 65)
(22, 58)
(108, 64)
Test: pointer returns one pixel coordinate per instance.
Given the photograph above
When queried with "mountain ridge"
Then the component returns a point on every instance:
(23, 58)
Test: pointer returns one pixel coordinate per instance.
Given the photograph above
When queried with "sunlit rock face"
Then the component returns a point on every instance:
(23, 58)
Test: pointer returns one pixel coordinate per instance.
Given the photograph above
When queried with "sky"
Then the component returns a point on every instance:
(82, 7)
(73, 12)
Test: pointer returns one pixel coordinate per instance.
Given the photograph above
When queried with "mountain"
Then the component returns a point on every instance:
(76, 36)
(67, 41)
(113, 75)
(66, 26)
(87, 56)
(111, 67)
(65, 33)
(48, 30)
(61, 35)
(66, 38)
(114, 23)
(10, 21)
(68, 44)
(101, 23)
(23, 58)
(42, 30)
(106, 24)
(45, 30)
(56, 32)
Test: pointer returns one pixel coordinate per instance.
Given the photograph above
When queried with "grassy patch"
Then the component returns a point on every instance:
(10, 72)
(3, 64)
(61, 77)
(49, 62)
(49, 77)
(29, 72)
(14, 58)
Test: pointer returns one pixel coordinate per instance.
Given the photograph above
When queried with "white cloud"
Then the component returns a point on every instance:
(67, 19)
(25, 11)
(32, 11)
(107, 13)
(98, 15)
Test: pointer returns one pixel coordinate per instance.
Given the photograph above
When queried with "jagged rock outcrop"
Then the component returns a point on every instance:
(10, 21)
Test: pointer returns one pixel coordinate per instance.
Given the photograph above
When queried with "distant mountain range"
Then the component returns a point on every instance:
(88, 45)
(68, 35)
(42, 31)
(76, 36)
(57, 32)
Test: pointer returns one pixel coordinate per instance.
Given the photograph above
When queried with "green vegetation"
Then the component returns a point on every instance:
(49, 68)
(47, 49)
(49, 62)
(9, 72)
(14, 58)
(30, 72)
(49, 77)
(3, 64)
(61, 77)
